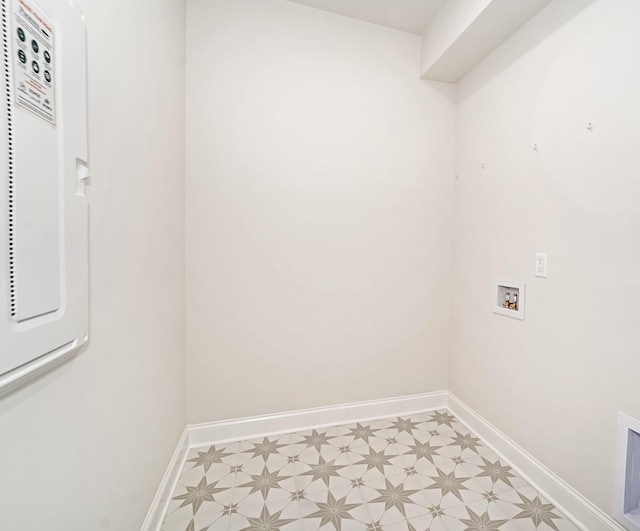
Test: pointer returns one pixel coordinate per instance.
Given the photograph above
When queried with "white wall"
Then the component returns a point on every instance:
(84, 448)
(555, 381)
(319, 196)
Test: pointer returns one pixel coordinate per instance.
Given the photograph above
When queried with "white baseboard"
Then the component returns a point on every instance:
(155, 516)
(251, 427)
(575, 506)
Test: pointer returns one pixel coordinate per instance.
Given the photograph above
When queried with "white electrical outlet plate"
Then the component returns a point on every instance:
(541, 265)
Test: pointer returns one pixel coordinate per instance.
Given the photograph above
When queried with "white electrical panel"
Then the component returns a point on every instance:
(43, 208)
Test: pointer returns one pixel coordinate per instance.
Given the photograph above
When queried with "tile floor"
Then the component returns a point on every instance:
(421, 472)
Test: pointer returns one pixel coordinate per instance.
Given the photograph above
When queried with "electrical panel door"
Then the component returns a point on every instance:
(43, 207)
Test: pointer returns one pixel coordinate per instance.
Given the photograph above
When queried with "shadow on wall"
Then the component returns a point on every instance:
(544, 24)
(442, 89)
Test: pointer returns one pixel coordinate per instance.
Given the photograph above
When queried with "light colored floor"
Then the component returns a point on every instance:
(420, 472)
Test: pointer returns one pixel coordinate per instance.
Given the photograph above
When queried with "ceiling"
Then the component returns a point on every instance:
(406, 15)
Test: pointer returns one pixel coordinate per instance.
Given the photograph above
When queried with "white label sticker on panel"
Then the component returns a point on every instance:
(33, 70)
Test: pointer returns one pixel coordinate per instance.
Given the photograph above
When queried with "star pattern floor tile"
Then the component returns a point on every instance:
(422, 472)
